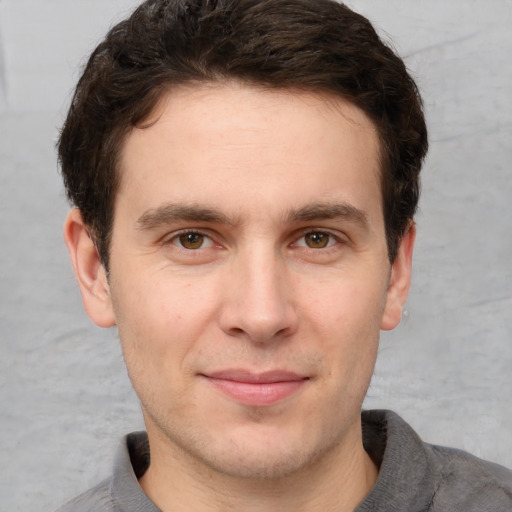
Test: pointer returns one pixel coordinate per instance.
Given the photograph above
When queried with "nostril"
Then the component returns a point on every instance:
(236, 331)
(282, 332)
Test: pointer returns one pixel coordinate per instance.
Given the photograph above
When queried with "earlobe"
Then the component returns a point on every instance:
(400, 281)
(89, 271)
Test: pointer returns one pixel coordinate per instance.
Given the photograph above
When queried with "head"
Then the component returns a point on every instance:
(304, 45)
(248, 171)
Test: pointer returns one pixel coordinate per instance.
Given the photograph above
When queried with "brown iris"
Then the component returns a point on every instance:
(317, 240)
(191, 240)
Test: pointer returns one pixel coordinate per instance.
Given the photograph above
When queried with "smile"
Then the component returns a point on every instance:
(257, 390)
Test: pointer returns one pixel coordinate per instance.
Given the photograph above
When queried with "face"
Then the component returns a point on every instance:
(249, 275)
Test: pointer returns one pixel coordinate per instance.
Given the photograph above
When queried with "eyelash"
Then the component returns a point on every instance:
(332, 242)
(174, 238)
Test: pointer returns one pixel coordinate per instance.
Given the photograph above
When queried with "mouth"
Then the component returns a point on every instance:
(256, 389)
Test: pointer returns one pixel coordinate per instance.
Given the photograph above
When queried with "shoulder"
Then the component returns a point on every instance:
(417, 476)
(468, 483)
(121, 492)
(97, 499)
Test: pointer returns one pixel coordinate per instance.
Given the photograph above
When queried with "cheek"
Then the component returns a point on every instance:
(158, 324)
(348, 317)
(159, 333)
(349, 304)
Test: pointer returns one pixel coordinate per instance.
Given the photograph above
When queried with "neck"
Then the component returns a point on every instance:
(338, 481)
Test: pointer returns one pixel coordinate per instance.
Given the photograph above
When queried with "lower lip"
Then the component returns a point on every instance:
(257, 394)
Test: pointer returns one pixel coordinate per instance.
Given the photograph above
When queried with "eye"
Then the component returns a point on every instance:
(316, 240)
(193, 240)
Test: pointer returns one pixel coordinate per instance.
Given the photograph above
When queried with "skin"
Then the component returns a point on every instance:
(282, 267)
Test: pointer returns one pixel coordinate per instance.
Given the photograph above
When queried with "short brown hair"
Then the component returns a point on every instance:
(314, 45)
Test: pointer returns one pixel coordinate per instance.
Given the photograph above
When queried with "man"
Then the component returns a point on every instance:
(245, 175)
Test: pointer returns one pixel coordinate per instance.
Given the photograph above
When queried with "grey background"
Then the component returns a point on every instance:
(64, 397)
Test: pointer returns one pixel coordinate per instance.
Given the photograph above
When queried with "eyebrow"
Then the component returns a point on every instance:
(322, 211)
(169, 213)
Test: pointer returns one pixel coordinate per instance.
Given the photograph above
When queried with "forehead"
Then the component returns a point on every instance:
(246, 147)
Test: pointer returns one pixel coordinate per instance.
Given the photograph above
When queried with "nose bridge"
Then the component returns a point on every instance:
(258, 302)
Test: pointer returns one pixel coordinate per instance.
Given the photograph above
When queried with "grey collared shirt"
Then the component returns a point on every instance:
(413, 476)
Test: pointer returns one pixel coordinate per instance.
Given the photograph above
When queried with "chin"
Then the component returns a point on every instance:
(260, 466)
(262, 456)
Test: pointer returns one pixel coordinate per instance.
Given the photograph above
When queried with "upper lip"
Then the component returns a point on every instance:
(268, 377)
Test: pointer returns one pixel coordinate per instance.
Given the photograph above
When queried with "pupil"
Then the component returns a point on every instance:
(191, 240)
(317, 240)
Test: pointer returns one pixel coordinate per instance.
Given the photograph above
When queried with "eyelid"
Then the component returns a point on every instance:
(337, 236)
(170, 238)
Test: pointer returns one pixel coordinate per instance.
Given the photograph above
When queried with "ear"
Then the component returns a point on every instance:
(400, 281)
(89, 271)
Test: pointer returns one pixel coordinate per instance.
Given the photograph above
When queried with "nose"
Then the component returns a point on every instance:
(258, 299)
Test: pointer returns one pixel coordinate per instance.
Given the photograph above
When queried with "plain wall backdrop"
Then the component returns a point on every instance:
(65, 399)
